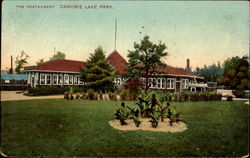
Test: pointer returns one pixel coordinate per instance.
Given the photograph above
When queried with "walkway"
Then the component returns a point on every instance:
(16, 95)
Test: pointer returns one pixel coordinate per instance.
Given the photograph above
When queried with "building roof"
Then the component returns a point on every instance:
(173, 70)
(115, 59)
(61, 65)
(118, 62)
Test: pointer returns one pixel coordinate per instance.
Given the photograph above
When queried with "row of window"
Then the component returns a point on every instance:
(57, 79)
(162, 83)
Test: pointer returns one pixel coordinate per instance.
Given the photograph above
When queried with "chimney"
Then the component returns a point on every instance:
(11, 65)
(188, 66)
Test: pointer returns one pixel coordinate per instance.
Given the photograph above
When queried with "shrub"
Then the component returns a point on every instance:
(91, 94)
(194, 96)
(154, 117)
(78, 95)
(240, 93)
(84, 96)
(229, 98)
(46, 90)
(66, 95)
(112, 96)
(122, 114)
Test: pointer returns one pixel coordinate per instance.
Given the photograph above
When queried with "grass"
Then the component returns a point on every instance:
(57, 127)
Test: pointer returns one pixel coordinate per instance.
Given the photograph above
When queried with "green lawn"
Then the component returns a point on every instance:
(58, 127)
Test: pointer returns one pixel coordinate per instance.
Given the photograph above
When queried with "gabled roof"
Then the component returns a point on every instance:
(118, 62)
(61, 65)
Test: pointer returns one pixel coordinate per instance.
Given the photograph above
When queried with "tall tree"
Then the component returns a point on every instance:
(58, 55)
(21, 60)
(144, 59)
(210, 73)
(98, 74)
(40, 62)
(236, 73)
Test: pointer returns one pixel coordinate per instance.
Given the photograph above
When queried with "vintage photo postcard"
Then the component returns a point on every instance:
(124, 78)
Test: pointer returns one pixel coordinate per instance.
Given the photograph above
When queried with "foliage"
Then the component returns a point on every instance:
(162, 110)
(21, 60)
(229, 98)
(98, 74)
(112, 96)
(58, 55)
(127, 94)
(240, 93)
(236, 73)
(144, 59)
(91, 94)
(154, 117)
(144, 104)
(122, 114)
(210, 73)
(40, 62)
(134, 114)
(66, 95)
(46, 90)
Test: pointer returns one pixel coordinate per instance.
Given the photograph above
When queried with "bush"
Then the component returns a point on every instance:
(229, 98)
(46, 90)
(91, 94)
(240, 93)
(112, 96)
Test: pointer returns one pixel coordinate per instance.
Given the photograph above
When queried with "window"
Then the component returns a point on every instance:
(48, 79)
(66, 79)
(170, 83)
(60, 79)
(42, 79)
(185, 84)
(158, 84)
(80, 82)
(163, 83)
(142, 80)
(70, 79)
(76, 79)
(152, 82)
(55, 81)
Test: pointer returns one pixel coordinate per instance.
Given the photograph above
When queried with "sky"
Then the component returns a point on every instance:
(203, 31)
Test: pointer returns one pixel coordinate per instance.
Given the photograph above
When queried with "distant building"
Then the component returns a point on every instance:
(13, 81)
(67, 72)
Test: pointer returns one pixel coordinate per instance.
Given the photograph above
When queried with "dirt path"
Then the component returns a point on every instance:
(13, 95)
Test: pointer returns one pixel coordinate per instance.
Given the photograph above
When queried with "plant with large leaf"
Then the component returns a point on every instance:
(154, 119)
(134, 114)
(162, 110)
(122, 114)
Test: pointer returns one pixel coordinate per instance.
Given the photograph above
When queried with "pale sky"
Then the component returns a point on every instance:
(203, 31)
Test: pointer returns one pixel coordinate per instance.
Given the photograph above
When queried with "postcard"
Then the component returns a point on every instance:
(124, 78)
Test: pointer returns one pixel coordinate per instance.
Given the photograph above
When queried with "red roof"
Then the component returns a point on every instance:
(118, 62)
(115, 59)
(62, 65)
(172, 70)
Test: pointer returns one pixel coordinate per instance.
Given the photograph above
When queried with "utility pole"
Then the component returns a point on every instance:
(115, 31)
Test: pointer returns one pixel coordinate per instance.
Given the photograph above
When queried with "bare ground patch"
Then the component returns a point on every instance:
(146, 126)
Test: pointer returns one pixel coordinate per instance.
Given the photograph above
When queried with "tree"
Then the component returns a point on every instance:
(98, 74)
(58, 55)
(40, 62)
(236, 73)
(21, 60)
(210, 73)
(144, 60)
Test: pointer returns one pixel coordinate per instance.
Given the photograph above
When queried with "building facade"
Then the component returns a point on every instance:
(67, 73)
